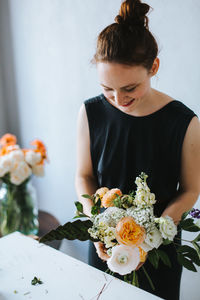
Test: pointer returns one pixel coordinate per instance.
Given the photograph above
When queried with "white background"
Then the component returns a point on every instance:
(45, 75)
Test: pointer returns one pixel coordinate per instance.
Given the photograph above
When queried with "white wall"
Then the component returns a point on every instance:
(48, 74)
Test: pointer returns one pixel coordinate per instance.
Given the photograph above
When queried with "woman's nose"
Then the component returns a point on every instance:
(118, 96)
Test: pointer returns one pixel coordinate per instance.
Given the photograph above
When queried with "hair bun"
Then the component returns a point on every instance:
(133, 12)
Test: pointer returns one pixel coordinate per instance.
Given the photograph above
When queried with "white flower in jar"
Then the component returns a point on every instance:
(32, 157)
(5, 165)
(38, 170)
(20, 172)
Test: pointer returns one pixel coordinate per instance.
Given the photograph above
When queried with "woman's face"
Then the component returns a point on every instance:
(125, 87)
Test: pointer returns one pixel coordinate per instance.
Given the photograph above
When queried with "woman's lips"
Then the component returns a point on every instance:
(129, 103)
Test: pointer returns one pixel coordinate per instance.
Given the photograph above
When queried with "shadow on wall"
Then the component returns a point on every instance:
(9, 102)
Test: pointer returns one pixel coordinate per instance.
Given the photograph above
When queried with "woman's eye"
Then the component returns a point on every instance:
(107, 90)
(130, 90)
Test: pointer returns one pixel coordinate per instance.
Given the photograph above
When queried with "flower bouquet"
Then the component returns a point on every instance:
(18, 206)
(129, 230)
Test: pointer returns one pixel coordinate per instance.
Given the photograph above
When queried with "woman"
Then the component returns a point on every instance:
(133, 128)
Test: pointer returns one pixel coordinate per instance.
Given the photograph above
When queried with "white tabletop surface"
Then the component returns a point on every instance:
(64, 278)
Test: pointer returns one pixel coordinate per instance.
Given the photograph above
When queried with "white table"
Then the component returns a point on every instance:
(64, 278)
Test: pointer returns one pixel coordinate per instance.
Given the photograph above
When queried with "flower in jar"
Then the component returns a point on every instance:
(109, 197)
(38, 170)
(20, 172)
(124, 259)
(129, 233)
(8, 139)
(32, 157)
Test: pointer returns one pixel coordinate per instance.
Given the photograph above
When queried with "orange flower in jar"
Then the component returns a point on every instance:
(143, 254)
(8, 139)
(109, 197)
(129, 233)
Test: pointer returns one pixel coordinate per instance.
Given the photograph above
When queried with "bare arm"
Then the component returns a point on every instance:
(85, 182)
(190, 173)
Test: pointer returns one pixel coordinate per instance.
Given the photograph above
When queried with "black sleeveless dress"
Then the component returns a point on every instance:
(122, 146)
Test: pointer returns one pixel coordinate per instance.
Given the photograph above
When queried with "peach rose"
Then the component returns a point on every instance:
(109, 197)
(129, 233)
(101, 192)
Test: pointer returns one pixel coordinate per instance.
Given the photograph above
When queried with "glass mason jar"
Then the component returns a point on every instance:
(18, 208)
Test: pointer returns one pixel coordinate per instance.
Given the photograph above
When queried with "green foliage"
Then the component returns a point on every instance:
(189, 253)
(36, 280)
(166, 242)
(164, 257)
(188, 225)
(153, 258)
(197, 247)
(187, 263)
(79, 206)
(70, 231)
(185, 214)
(88, 196)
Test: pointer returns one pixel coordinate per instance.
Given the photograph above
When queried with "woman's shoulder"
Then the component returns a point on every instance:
(93, 100)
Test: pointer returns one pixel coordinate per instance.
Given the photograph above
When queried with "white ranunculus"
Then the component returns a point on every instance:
(124, 259)
(167, 227)
(38, 170)
(32, 157)
(20, 172)
(153, 239)
(5, 165)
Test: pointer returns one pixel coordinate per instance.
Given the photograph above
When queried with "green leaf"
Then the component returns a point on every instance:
(87, 196)
(79, 206)
(197, 247)
(153, 258)
(36, 280)
(164, 257)
(166, 242)
(185, 214)
(70, 231)
(197, 239)
(94, 210)
(187, 263)
(98, 203)
(189, 252)
(188, 225)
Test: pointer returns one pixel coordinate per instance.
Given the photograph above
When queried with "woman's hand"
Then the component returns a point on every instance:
(101, 251)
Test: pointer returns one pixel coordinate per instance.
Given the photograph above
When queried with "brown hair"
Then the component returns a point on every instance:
(128, 40)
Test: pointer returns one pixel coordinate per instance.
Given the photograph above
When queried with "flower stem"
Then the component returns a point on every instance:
(149, 279)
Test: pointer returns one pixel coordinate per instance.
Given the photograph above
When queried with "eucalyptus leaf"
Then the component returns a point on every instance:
(187, 263)
(70, 231)
(164, 257)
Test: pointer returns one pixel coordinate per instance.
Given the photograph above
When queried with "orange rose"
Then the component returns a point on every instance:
(129, 233)
(143, 254)
(7, 149)
(8, 139)
(109, 197)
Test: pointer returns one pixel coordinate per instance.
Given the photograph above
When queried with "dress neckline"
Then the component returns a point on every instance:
(123, 114)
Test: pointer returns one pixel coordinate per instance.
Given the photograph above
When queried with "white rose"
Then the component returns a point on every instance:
(124, 259)
(38, 170)
(20, 172)
(32, 157)
(153, 240)
(5, 165)
(167, 227)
